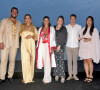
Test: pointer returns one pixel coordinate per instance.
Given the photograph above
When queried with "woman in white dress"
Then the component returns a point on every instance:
(89, 47)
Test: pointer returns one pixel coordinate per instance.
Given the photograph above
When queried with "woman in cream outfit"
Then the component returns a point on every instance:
(29, 35)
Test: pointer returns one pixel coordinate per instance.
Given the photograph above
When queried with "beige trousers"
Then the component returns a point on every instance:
(46, 61)
(4, 59)
(72, 56)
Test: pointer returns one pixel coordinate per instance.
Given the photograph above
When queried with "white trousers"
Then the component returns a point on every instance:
(47, 63)
(4, 59)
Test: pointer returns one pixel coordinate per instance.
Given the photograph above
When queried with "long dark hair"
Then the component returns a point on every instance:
(92, 27)
(47, 18)
(62, 19)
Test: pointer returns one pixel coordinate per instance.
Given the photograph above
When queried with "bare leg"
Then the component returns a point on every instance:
(86, 67)
(90, 63)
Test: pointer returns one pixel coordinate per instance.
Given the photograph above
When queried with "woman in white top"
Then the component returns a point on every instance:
(89, 47)
(45, 49)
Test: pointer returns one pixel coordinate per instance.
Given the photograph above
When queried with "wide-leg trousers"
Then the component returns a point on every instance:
(59, 70)
(46, 62)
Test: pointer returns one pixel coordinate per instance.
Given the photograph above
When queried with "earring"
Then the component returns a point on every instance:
(30, 21)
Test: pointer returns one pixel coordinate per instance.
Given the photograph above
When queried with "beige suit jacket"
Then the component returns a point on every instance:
(6, 33)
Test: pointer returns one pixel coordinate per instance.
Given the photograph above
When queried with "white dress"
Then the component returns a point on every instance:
(90, 49)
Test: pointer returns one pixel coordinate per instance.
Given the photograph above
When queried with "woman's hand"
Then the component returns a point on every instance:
(58, 49)
(87, 40)
(28, 36)
(80, 38)
(34, 37)
(52, 51)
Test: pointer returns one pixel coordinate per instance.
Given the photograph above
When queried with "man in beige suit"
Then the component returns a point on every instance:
(9, 43)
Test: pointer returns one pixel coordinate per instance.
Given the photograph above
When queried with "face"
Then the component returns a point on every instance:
(27, 19)
(89, 22)
(14, 13)
(46, 22)
(60, 21)
(73, 20)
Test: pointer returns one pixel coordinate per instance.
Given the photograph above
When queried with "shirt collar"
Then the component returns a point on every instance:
(11, 21)
(71, 26)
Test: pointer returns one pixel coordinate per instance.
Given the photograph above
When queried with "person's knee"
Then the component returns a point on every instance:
(90, 62)
(75, 61)
(85, 61)
(12, 62)
(3, 62)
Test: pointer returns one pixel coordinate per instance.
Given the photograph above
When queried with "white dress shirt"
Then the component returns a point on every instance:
(73, 35)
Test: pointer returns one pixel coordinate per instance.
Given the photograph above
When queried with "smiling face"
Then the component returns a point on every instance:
(14, 13)
(89, 22)
(60, 21)
(27, 19)
(46, 22)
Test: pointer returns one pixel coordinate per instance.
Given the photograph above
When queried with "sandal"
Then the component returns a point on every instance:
(86, 79)
(90, 80)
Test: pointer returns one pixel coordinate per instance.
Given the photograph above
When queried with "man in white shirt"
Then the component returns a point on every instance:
(72, 47)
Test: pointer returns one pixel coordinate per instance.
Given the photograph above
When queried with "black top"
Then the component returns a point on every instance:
(61, 36)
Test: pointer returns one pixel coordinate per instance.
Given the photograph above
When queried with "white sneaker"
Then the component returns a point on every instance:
(62, 80)
(69, 78)
(75, 77)
(56, 78)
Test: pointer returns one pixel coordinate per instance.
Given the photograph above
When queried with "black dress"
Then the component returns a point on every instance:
(61, 39)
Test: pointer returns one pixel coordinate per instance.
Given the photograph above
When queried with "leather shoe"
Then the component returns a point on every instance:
(2, 81)
(11, 80)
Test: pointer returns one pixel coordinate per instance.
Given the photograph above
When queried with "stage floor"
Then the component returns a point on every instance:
(38, 85)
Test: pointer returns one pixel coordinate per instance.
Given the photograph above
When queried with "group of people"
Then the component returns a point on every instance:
(51, 43)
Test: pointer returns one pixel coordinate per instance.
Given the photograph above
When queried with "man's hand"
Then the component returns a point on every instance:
(58, 49)
(1, 46)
